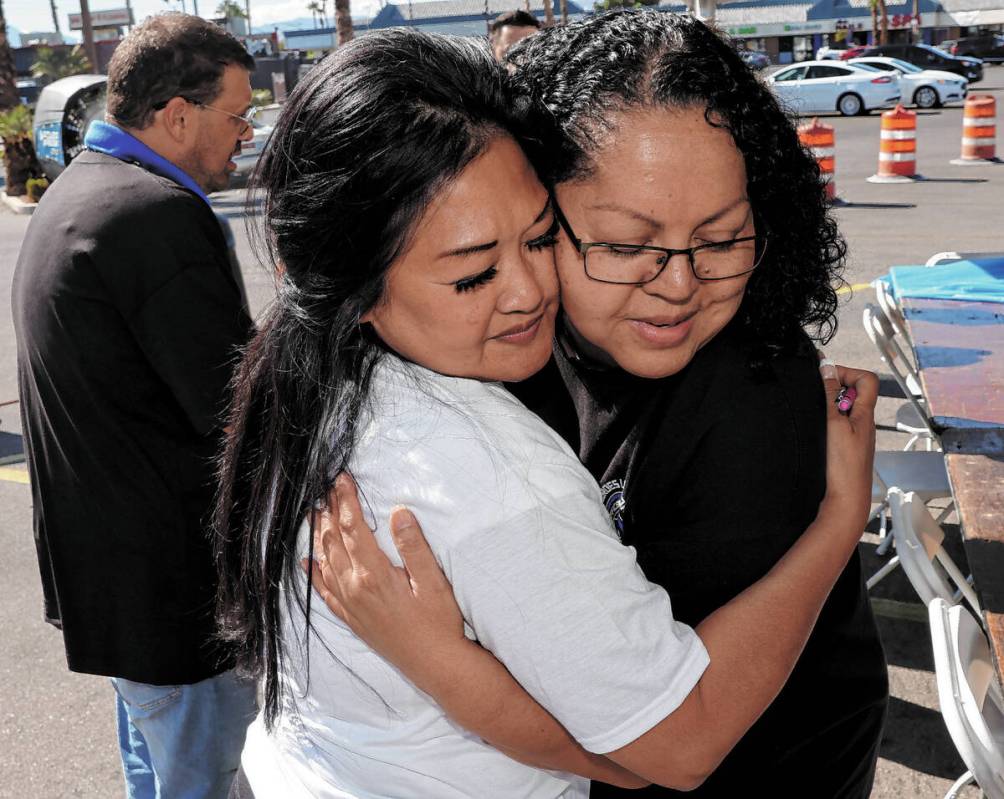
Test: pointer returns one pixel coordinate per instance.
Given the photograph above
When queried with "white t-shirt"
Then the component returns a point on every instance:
(518, 525)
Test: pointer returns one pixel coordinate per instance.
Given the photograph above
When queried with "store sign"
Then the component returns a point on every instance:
(103, 19)
(903, 20)
(780, 29)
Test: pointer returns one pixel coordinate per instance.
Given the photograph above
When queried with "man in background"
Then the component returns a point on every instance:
(128, 321)
(509, 28)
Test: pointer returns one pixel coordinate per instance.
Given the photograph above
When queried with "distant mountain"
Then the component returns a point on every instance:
(301, 24)
(286, 25)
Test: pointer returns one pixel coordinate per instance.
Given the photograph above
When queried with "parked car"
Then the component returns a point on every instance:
(251, 150)
(754, 59)
(853, 52)
(988, 46)
(827, 53)
(927, 57)
(924, 88)
(839, 53)
(816, 86)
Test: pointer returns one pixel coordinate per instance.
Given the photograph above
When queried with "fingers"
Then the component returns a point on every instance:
(317, 571)
(836, 377)
(328, 544)
(358, 538)
(831, 383)
(867, 385)
(419, 560)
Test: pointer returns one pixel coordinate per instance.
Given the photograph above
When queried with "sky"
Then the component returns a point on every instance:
(35, 15)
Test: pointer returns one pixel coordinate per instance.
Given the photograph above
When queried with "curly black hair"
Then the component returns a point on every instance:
(574, 78)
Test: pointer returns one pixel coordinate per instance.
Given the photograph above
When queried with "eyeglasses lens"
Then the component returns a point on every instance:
(620, 264)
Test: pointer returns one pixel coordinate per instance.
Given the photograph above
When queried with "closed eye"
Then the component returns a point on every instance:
(726, 246)
(474, 281)
(548, 239)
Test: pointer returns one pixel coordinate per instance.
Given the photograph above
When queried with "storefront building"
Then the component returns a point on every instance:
(786, 30)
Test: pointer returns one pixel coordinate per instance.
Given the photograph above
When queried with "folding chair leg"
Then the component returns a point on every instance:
(960, 783)
(965, 587)
(945, 513)
(886, 541)
(911, 442)
(882, 573)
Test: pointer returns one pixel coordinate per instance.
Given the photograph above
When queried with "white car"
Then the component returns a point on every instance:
(252, 150)
(924, 88)
(820, 86)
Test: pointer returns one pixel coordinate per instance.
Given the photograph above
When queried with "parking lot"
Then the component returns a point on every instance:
(57, 735)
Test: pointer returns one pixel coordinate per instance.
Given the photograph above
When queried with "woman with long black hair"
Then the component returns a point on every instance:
(418, 273)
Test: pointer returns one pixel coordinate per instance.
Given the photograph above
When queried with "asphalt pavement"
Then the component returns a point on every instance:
(57, 729)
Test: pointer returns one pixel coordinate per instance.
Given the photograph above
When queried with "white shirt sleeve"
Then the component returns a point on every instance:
(569, 612)
(520, 529)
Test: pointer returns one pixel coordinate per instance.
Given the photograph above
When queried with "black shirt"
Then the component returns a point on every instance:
(128, 320)
(712, 474)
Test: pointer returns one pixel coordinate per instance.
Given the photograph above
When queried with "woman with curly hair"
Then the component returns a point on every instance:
(697, 251)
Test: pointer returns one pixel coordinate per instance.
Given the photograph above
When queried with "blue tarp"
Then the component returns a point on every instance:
(974, 281)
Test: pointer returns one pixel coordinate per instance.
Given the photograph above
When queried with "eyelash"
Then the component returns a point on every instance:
(549, 239)
(471, 283)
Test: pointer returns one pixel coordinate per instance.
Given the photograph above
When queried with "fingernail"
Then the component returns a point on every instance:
(401, 519)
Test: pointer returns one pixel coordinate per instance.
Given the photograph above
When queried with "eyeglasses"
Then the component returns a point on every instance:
(634, 264)
(247, 118)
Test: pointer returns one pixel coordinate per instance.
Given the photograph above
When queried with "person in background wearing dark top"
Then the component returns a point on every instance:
(511, 27)
(683, 376)
(128, 321)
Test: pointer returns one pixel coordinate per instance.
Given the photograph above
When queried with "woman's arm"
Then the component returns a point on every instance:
(471, 686)
(754, 640)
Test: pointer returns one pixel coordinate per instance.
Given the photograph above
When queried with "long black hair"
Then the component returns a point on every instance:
(578, 75)
(359, 150)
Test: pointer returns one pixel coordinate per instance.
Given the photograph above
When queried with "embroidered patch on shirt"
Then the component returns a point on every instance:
(613, 499)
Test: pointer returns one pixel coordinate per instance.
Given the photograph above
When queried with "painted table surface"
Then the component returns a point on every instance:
(960, 355)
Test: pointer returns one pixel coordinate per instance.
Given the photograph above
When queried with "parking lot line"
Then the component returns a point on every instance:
(852, 289)
(9, 475)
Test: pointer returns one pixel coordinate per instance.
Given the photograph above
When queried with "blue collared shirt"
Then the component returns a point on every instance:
(104, 137)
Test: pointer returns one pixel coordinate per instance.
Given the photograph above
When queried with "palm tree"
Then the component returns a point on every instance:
(56, 63)
(343, 21)
(88, 32)
(8, 88)
(20, 162)
(548, 13)
(564, 12)
(873, 5)
(883, 23)
(314, 7)
(229, 9)
(55, 16)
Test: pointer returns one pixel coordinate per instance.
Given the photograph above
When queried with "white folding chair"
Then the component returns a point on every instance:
(928, 567)
(911, 417)
(945, 257)
(969, 695)
(923, 473)
(892, 312)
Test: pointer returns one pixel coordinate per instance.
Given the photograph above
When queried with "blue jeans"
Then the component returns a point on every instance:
(183, 741)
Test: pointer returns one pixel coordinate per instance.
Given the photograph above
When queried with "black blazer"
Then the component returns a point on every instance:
(128, 320)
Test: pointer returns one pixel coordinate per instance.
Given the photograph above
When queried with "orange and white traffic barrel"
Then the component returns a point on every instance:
(820, 140)
(897, 147)
(979, 130)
